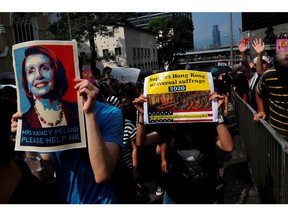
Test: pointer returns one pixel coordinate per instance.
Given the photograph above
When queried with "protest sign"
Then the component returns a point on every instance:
(179, 97)
(125, 75)
(52, 111)
(281, 44)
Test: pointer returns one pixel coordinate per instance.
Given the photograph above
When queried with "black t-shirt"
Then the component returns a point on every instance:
(200, 136)
(241, 84)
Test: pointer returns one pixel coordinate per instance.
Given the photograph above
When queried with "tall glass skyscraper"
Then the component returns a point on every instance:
(216, 36)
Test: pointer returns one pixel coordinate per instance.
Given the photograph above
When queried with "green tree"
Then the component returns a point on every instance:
(174, 37)
(83, 27)
(270, 37)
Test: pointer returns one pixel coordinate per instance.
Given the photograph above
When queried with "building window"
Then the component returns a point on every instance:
(153, 52)
(117, 51)
(105, 52)
(134, 52)
(22, 28)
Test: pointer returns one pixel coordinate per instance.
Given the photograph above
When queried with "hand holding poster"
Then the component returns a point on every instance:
(52, 111)
(179, 97)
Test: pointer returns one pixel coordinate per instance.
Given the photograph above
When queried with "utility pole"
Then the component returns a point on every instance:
(69, 26)
(231, 40)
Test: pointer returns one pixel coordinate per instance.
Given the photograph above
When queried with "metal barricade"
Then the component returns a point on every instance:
(266, 153)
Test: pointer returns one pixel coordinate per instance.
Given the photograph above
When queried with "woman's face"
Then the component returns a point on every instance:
(39, 74)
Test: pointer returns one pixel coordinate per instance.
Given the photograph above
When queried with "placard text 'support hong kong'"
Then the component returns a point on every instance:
(179, 97)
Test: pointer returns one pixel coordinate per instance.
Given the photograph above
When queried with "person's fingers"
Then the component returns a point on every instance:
(81, 84)
(14, 127)
(87, 93)
(16, 116)
(255, 118)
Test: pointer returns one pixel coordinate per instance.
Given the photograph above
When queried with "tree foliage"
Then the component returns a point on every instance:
(174, 37)
(84, 26)
(270, 37)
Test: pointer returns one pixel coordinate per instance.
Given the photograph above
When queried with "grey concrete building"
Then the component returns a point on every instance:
(127, 47)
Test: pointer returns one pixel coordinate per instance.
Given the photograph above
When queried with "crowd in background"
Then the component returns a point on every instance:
(251, 80)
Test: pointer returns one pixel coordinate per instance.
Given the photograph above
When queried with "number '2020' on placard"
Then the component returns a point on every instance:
(179, 97)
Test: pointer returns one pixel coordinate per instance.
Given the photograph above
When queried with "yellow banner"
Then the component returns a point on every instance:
(178, 81)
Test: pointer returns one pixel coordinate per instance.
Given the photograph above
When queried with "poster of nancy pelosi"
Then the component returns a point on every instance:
(52, 117)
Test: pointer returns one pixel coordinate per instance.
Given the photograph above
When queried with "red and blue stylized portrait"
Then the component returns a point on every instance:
(47, 99)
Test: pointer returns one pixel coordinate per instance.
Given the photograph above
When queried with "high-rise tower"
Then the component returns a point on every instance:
(216, 36)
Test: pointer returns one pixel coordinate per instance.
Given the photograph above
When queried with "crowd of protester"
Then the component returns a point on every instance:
(109, 169)
(282, 35)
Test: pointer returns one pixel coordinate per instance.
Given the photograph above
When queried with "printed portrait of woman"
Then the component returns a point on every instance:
(45, 83)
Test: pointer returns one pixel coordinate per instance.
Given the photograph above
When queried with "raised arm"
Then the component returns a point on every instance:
(103, 155)
(224, 140)
(259, 47)
(142, 138)
(242, 49)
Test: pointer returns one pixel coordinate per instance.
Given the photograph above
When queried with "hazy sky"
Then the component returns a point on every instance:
(203, 26)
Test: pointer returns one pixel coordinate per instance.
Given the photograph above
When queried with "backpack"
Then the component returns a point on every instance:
(190, 164)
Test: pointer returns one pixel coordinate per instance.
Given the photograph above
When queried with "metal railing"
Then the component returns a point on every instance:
(266, 153)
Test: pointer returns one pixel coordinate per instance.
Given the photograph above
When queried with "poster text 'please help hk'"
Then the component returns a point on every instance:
(52, 117)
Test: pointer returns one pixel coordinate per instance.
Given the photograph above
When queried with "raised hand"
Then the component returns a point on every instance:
(258, 46)
(242, 46)
(138, 103)
(219, 98)
(88, 92)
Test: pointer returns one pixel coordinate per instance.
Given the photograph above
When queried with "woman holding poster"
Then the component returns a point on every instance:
(44, 82)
